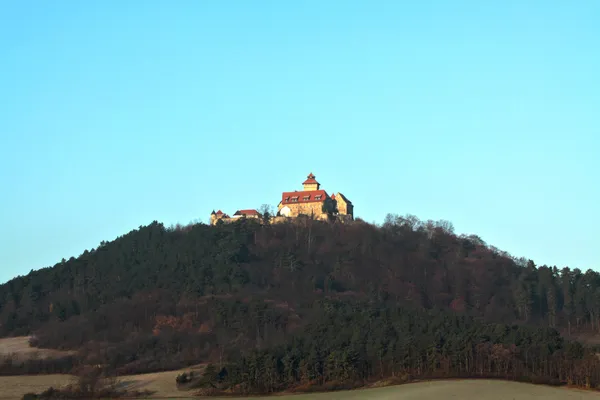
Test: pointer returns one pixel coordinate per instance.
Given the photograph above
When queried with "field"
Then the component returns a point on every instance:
(18, 347)
(455, 389)
(163, 383)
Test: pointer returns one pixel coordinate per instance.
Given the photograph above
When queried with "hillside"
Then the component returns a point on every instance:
(281, 306)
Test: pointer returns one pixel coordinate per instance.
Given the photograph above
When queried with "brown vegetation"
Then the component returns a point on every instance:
(155, 385)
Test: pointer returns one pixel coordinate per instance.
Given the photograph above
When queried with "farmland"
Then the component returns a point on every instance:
(19, 348)
(163, 384)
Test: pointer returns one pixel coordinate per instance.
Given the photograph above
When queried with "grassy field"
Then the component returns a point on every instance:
(456, 389)
(14, 387)
(163, 384)
(18, 347)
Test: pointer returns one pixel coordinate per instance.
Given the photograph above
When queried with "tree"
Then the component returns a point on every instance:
(266, 213)
(329, 207)
(210, 376)
(567, 292)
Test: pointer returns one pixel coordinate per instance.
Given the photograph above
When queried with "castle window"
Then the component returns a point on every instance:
(318, 197)
(295, 199)
(287, 198)
(306, 198)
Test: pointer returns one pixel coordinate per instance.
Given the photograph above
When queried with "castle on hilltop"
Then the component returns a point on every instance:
(312, 202)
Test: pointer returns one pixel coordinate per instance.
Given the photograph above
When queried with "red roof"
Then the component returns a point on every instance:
(306, 196)
(246, 212)
(219, 212)
(311, 179)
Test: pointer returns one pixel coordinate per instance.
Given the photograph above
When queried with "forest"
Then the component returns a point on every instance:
(308, 303)
(353, 343)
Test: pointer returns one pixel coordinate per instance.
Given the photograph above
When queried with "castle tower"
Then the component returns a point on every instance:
(310, 183)
(215, 217)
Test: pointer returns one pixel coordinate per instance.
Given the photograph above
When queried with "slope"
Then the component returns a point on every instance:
(161, 298)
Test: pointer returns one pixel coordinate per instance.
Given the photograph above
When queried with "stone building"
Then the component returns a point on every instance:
(216, 216)
(344, 206)
(221, 216)
(314, 202)
(311, 201)
(246, 214)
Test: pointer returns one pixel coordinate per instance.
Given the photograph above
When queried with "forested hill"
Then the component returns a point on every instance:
(160, 298)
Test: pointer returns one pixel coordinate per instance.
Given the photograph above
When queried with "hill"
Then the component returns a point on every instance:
(307, 303)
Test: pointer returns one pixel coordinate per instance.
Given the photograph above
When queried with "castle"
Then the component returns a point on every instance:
(312, 201)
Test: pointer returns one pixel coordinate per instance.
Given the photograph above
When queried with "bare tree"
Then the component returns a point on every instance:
(266, 212)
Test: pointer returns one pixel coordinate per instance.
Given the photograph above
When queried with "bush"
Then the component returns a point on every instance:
(184, 378)
(74, 392)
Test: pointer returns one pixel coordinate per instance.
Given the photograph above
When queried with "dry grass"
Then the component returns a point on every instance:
(454, 389)
(163, 384)
(14, 387)
(19, 348)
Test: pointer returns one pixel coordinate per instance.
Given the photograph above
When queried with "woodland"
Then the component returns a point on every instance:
(307, 305)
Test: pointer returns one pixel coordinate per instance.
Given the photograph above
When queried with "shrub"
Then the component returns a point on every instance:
(184, 378)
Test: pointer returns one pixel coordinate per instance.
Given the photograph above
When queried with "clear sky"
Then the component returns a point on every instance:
(117, 113)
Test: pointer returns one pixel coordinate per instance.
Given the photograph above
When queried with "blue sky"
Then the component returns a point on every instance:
(114, 114)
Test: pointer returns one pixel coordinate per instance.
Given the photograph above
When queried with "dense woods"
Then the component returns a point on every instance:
(353, 343)
(310, 302)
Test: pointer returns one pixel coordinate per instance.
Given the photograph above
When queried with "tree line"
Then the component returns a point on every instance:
(354, 343)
